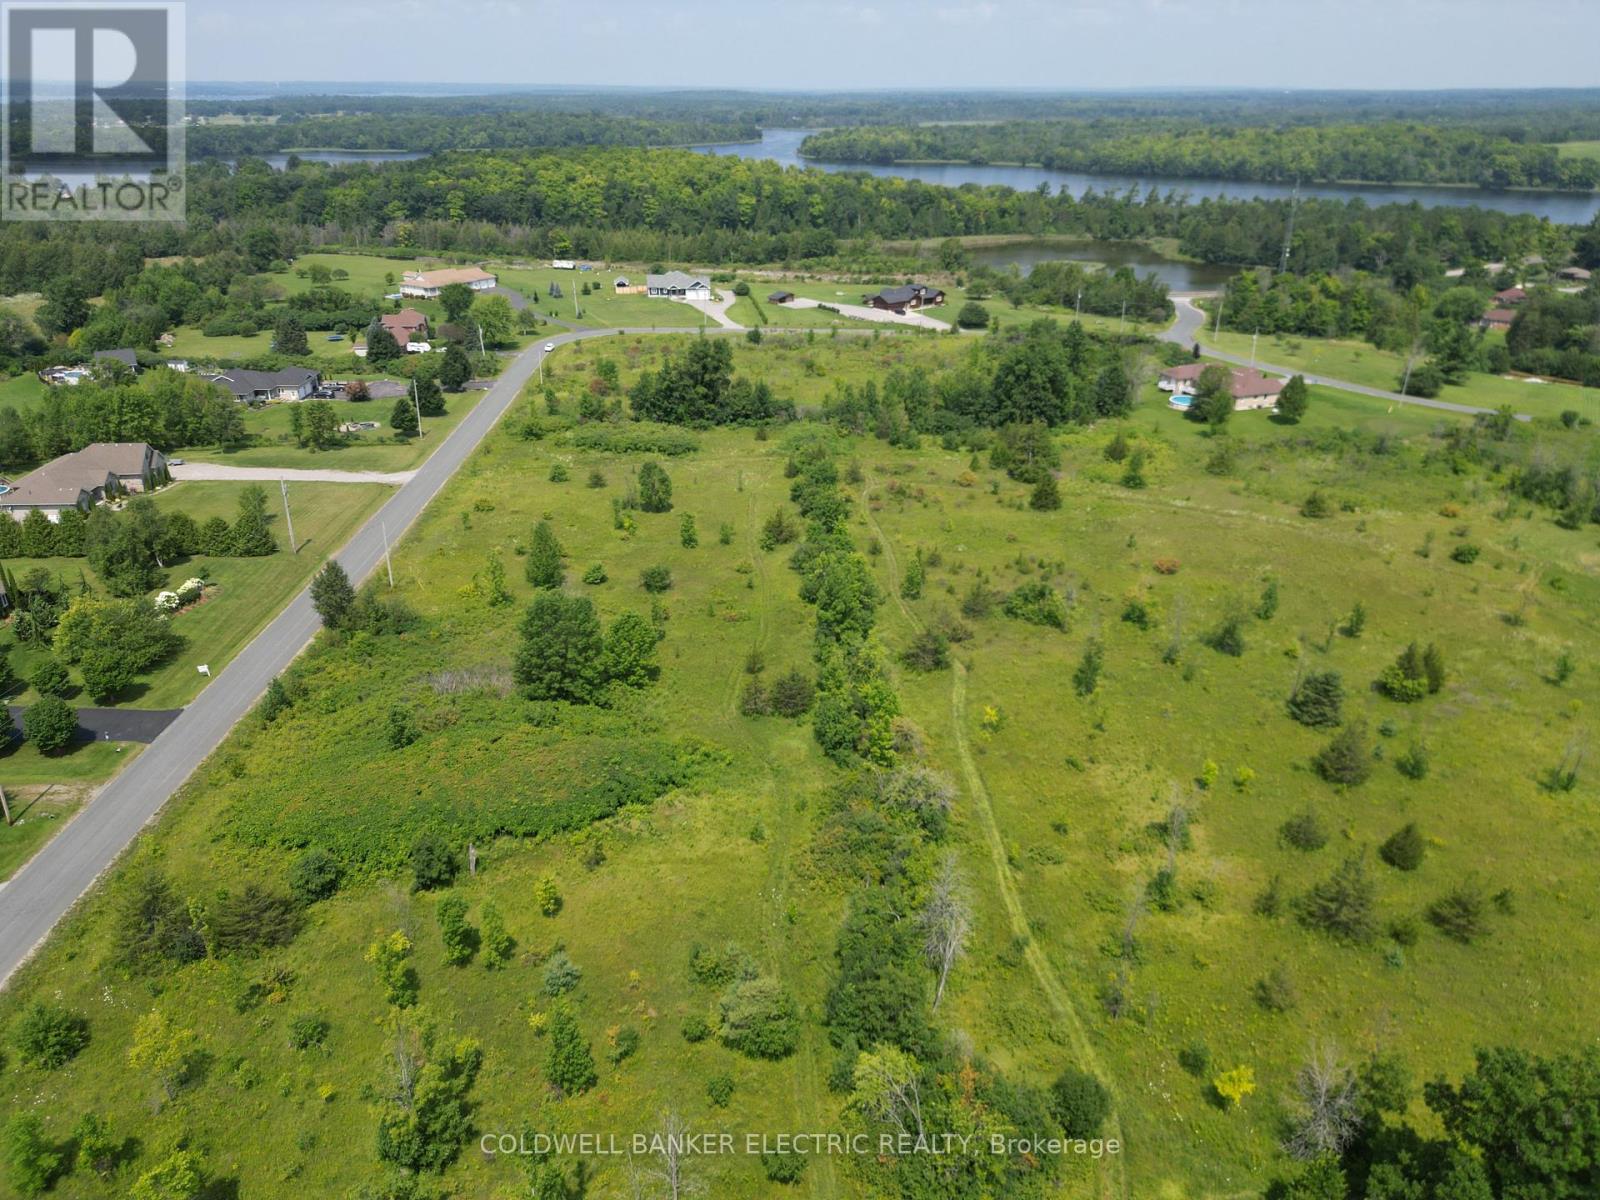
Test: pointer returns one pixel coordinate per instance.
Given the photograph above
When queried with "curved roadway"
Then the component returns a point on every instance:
(1191, 319)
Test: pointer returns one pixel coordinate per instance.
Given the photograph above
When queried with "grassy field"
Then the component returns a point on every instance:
(1578, 149)
(46, 791)
(1360, 362)
(249, 591)
(1055, 828)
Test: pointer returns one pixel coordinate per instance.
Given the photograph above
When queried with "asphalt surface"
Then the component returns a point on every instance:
(113, 724)
(1190, 319)
(43, 891)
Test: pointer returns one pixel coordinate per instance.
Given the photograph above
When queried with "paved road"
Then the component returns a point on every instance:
(114, 724)
(42, 892)
(201, 470)
(1190, 319)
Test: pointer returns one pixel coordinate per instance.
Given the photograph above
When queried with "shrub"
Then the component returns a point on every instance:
(1343, 904)
(1304, 832)
(719, 1088)
(928, 651)
(569, 1063)
(32, 1161)
(784, 1166)
(460, 939)
(433, 864)
(1466, 553)
(792, 694)
(1275, 992)
(251, 919)
(497, 943)
(307, 1031)
(1036, 603)
(655, 488)
(1404, 848)
(1318, 700)
(1459, 913)
(760, 1019)
(1316, 506)
(1346, 759)
(656, 579)
(696, 1028)
(1233, 1086)
(1079, 1102)
(50, 723)
(561, 974)
(50, 678)
(755, 700)
(973, 316)
(547, 896)
(1228, 637)
(1195, 1058)
(1413, 762)
(1046, 495)
(1087, 675)
(624, 1045)
(49, 1036)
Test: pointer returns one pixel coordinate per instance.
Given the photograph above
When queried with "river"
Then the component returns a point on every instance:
(1567, 208)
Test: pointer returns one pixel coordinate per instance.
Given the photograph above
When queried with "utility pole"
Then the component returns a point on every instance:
(1288, 233)
(416, 404)
(1123, 319)
(1218, 331)
(481, 350)
(1080, 302)
(387, 562)
(1253, 338)
(5, 806)
(283, 485)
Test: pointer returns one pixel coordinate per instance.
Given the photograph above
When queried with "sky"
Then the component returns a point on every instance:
(828, 44)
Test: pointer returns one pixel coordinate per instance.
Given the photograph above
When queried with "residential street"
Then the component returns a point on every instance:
(68, 865)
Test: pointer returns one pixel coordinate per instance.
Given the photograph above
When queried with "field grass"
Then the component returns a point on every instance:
(1054, 828)
(45, 791)
(1578, 149)
(22, 392)
(249, 591)
(1359, 362)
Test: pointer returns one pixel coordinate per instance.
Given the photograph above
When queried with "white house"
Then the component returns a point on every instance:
(427, 285)
(678, 285)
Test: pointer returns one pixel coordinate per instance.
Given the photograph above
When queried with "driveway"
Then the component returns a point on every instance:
(863, 312)
(1185, 329)
(114, 724)
(232, 474)
(717, 308)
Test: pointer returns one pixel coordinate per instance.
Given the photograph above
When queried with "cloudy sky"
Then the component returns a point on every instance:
(821, 44)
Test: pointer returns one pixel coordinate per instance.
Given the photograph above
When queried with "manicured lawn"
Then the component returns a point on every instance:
(369, 450)
(45, 791)
(249, 592)
(1359, 362)
(784, 316)
(21, 391)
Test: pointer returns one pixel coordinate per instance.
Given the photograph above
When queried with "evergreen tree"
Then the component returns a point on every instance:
(456, 369)
(289, 336)
(250, 537)
(332, 594)
(655, 488)
(1113, 393)
(429, 397)
(403, 417)
(1046, 495)
(561, 656)
(569, 1063)
(543, 565)
(382, 349)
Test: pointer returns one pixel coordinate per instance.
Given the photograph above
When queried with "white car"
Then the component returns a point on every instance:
(549, 346)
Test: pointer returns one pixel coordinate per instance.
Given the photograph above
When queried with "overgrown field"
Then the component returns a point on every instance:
(1135, 838)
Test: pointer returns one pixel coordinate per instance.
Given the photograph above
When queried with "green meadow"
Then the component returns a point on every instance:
(1064, 817)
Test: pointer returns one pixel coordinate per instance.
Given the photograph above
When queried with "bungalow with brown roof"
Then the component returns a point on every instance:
(910, 295)
(1251, 389)
(1509, 296)
(1497, 318)
(426, 285)
(1574, 274)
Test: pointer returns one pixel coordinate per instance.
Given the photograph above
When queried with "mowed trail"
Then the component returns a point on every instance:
(1113, 1178)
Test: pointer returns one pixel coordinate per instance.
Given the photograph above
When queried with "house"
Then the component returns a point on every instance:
(1574, 274)
(426, 285)
(126, 357)
(408, 327)
(678, 285)
(1251, 389)
(1497, 318)
(910, 295)
(780, 297)
(256, 387)
(1506, 297)
(83, 478)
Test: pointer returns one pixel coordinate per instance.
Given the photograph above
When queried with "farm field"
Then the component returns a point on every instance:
(1063, 820)
(1359, 362)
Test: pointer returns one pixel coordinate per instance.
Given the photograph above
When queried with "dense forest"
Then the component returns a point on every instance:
(1386, 152)
(636, 205)
(428, 128)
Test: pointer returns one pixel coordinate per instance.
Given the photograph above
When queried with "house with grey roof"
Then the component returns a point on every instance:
(258, 387)
(910, 295)
(84, 478)
(678, 285)
(127, 358)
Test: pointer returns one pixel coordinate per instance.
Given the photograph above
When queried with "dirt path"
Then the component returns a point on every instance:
(222, 471)
(1113, 1180)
